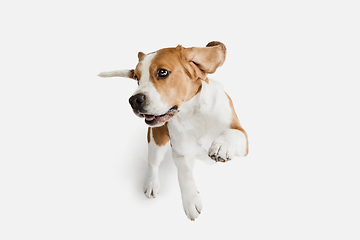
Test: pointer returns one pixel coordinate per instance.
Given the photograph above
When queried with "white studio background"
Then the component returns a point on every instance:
(73, 155)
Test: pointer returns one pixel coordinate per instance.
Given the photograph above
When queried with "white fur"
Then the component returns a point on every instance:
(201, 119)
(191, 199)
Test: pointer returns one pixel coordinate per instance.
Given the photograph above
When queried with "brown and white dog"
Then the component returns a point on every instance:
(183, 107)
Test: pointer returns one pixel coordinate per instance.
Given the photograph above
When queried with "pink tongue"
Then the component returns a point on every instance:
(149, 117)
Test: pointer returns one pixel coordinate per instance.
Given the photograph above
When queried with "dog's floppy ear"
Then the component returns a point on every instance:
(129, 73)
(208, 58)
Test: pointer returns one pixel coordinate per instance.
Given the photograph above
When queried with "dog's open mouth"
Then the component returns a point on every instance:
(153, 120)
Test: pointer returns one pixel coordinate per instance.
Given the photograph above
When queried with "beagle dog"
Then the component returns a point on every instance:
(186, 110)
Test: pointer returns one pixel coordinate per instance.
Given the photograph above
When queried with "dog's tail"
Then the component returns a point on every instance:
(118, 73)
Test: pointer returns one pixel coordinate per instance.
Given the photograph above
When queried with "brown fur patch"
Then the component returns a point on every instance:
(179, 86)
(131, 73)
(148, 135)
(160, 135)
(141, 56)
(208, 58)
(235, 124)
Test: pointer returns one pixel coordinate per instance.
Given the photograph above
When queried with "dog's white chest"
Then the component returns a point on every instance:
(195, 127)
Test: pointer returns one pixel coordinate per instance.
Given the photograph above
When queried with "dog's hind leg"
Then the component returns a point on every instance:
(158, 139)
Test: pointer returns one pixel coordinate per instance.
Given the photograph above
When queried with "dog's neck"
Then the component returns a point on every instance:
(194, 104)
(205, 102)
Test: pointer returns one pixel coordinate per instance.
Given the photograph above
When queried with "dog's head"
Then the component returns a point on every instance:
(169, 77)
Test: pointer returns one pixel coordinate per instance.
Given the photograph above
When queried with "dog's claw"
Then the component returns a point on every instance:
(152, 188)
(199, 211)
(218, 158)
(221, 150)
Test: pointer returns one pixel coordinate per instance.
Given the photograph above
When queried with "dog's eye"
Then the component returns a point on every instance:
(162, 73)
(137, 79)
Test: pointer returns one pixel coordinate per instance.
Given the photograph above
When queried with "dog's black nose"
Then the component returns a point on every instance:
(137, 101)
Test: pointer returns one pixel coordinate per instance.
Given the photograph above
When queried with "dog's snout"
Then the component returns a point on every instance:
(137, 101)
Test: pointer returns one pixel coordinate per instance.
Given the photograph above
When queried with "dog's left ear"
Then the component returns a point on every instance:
(208, 58)
(128, 73)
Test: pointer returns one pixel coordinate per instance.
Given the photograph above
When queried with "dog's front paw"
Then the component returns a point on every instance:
(152, 187)
(221, 151)
(192, 205)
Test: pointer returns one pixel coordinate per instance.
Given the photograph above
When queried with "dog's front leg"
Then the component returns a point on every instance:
(156, 153)
(230, 143)
(190, 195)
